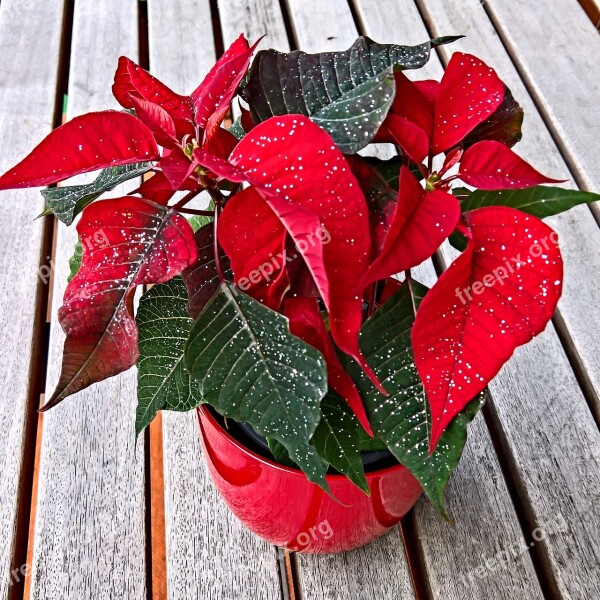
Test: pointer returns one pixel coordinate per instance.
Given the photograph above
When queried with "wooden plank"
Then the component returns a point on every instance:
(209, 552)
(28, 84)
(557, 53)
(90, 527)
(457, 549)
(254, 19)
(577, 229)
(381, 571)
(543, 422)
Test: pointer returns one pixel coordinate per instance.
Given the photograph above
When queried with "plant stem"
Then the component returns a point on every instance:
(187, 198)
(408, 276)
(192, 211)
(372, 299)
(216, 241)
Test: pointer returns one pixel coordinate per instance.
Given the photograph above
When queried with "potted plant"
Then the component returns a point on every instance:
(331, 394)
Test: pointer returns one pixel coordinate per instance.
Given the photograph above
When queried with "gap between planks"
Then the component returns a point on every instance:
(567, 156)
(592, 9)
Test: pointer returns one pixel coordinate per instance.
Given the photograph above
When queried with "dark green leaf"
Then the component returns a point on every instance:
(337, 440)
(237, 128)
(75, 260)
(378, 180)
(251, 368)
(67, 202)
(163, 380)
(348, 93)
(369, 444)
(198, 221)
(402, 420)
(541, 201)
(280, 454)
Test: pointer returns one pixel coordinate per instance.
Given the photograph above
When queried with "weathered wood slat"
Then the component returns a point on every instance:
(28, 84)
(255, 19)
(90, 539)
(478, 497)
(209, 553)
(574, 113)
(578, 231)
(544, 422)
(559, 61)
(381, 570)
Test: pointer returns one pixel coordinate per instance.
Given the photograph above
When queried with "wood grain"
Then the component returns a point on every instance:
(209, 553)
(90, 539)
(28, 86)
(578, 231)
(559, 62)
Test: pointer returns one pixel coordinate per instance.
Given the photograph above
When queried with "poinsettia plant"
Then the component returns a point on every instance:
(278, 303)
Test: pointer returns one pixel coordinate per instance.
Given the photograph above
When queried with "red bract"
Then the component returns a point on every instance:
(257, 253)
(159, 189)
(305, 179)
(177, 168)
(307, 323)
(87, 143)
(420, 222)
(204, 109)
(132, 80)
(158, 120)
(213, 96)
(496, 296)
(490, 165)
(467, 95)
(127, 242)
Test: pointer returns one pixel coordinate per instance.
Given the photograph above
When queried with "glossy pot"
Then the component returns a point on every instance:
(281, 506)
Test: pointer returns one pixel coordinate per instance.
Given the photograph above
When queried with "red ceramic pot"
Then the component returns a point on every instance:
(281, 506)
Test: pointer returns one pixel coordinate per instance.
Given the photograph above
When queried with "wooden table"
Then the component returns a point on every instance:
(82, 508)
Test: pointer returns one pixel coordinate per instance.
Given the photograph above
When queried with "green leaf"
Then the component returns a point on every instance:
(75, 260)
(388, 170)
(339, 90)
(237, 128)
(541, 201)
(198, 221)
(163, 380)
(369, 444)
(67, 202)
(337, 440)
(353, 119)
(402, 420)
(458, 240)
(280, 454)
(251, 368)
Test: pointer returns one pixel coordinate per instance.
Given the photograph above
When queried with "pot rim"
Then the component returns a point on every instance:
(371, 475)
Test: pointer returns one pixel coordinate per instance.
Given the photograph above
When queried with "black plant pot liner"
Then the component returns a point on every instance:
(374, 460)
